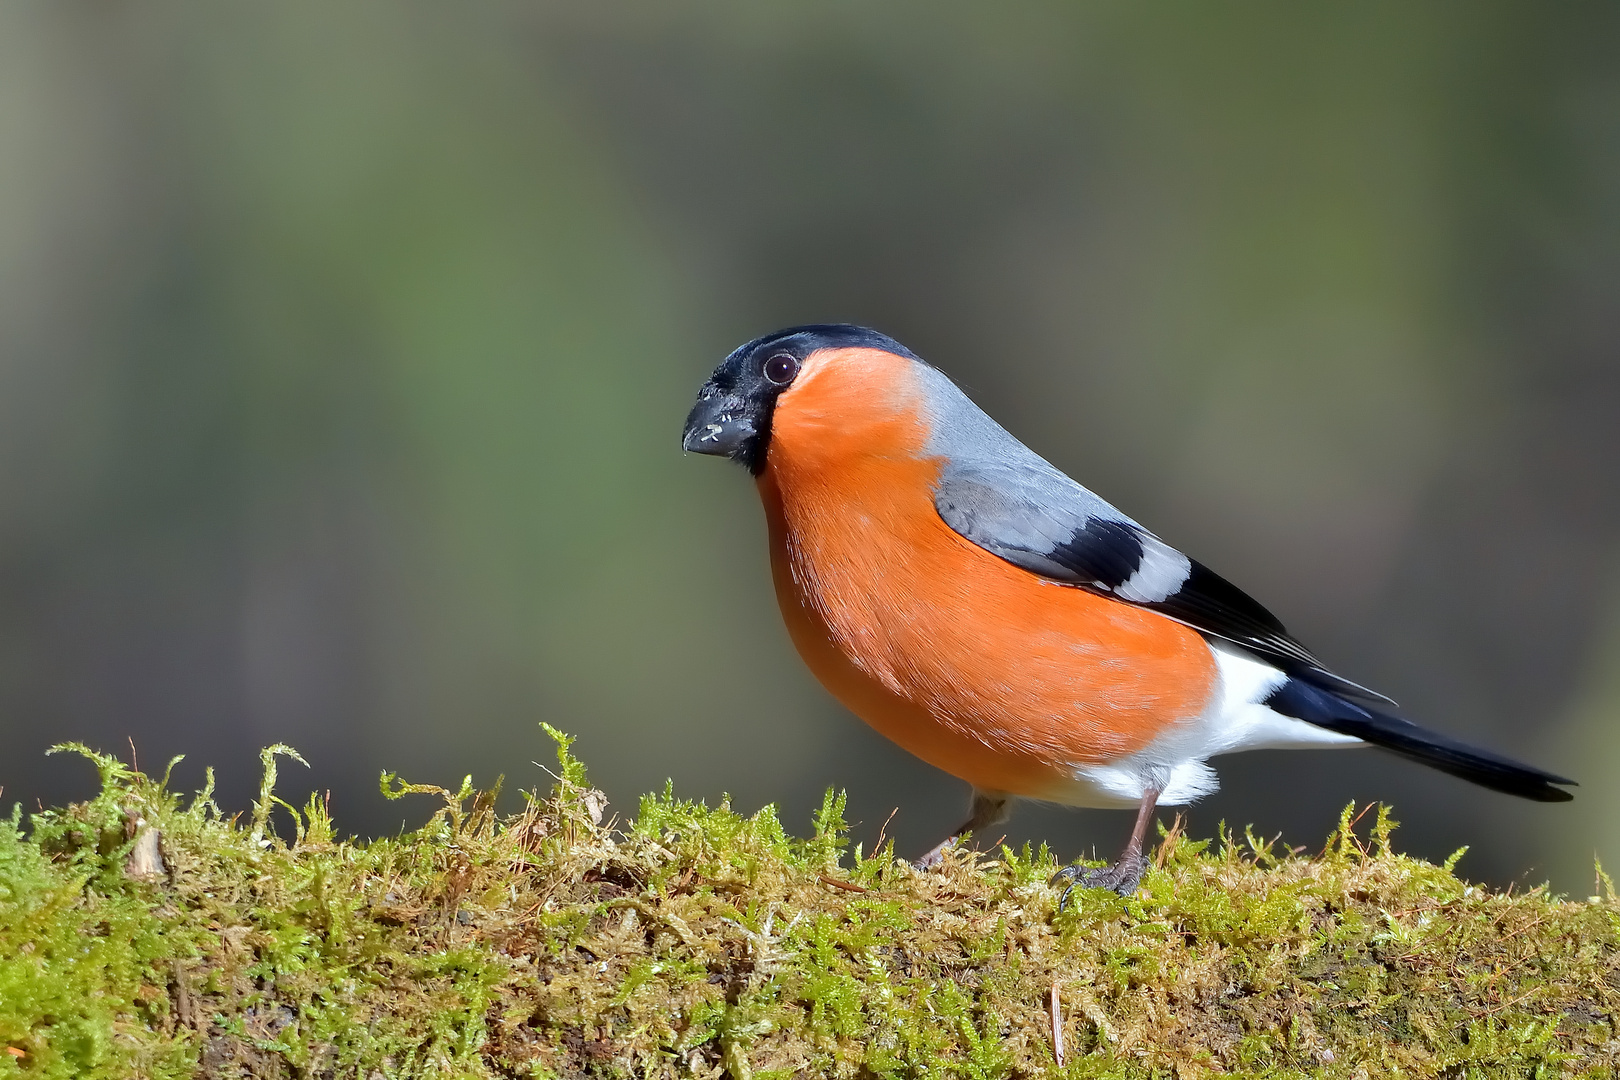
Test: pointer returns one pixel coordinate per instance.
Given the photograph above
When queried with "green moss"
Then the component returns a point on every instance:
(698, 941)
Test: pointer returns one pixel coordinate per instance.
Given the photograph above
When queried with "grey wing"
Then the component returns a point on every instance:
(1033, 516)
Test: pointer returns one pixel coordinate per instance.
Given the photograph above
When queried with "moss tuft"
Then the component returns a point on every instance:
(146, 935)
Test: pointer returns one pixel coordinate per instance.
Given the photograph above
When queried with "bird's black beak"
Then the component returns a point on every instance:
(720, 424)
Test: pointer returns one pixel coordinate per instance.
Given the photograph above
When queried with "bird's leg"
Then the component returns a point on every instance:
(1126, 872)
(988, 808)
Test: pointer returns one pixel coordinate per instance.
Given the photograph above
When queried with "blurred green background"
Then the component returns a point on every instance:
(344, 351)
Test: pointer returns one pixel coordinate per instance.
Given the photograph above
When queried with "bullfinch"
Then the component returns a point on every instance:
(975, 605)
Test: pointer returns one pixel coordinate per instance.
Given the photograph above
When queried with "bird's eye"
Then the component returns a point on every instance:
(781, 368)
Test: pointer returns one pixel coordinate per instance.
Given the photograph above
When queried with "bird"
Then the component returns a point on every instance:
(974, 604)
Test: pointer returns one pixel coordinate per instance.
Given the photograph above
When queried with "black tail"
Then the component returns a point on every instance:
(1325, 709)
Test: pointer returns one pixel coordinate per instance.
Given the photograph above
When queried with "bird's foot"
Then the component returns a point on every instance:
(1122, 877)
(932, 860)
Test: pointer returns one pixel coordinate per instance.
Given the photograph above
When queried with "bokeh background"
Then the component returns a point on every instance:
(344, 351)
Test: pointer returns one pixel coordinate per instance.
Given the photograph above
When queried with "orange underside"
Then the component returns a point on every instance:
(982, 669)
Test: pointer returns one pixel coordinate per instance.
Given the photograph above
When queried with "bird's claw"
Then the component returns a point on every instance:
(1121, 877)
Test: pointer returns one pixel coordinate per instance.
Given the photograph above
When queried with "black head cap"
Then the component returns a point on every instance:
(732, 417)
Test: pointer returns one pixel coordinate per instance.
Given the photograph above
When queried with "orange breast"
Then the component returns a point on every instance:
(982, 669)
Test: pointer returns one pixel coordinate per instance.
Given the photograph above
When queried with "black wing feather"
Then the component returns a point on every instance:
(1209, 603)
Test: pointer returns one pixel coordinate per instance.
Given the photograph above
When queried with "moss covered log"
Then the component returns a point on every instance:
(147, 935)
